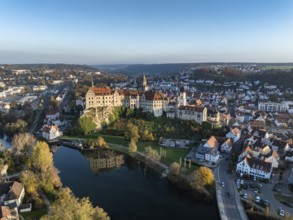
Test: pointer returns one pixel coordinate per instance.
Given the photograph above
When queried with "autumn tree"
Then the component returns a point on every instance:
(132, 147)
(175, 168)
(131, 131)
(12, 128)
(22, 142)
(87, 124)
(147, 136)
(30, 182)
(203, 176)
(67, 206)
(41, 163)
(152, 154)
(101, 142)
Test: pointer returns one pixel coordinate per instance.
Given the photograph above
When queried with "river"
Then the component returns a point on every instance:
(127, 192)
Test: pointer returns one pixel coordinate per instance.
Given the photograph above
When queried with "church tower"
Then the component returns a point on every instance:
(182, 97)
(144, 83)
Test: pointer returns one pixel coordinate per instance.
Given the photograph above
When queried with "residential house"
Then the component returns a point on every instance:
(254, 167)
(11, 194)
(51, 132)
(7, 214)
(227, 145)
(52, 115)
(235, 134)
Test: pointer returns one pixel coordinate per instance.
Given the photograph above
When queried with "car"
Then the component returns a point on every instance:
(241, 182)
(254, 178)
(257, 199)
(282, 212)
(255, 190)
(222, 184)
(228, 194)
(245, 195)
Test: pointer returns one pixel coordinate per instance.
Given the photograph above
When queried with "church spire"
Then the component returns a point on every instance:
(144, 83)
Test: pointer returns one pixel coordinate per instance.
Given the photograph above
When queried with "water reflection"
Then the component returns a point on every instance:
(103, 160)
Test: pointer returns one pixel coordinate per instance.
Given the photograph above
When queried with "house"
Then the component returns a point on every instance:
(11, 194)
(273, 158)
(254, 167)
(51, 132)
(259, 124)
(279, 146)
(235, 134)
(52, 115)
(7, 214)
(227, 145)
(210, 150)
(207, 154)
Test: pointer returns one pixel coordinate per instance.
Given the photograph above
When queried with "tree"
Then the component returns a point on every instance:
(22, 142)
(202, 176)
(147, 136)
(41, 163)
(30, 182)
(87, 124)
(152, 154)
(101, 142)
(132, 147)
(67, 206)
(132, 131)
(175, 168)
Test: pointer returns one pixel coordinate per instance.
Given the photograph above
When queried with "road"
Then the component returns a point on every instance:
(230, 206)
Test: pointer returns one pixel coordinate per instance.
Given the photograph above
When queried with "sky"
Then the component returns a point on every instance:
(145, 31)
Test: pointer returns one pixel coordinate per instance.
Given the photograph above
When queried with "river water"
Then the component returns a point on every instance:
(128, 192)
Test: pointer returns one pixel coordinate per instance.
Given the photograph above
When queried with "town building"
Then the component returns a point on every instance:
(51, 132)
(254, 167)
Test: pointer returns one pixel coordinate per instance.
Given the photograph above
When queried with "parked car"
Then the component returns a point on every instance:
(245, 195)
(255, 190)
(241, 182)
(228, 194)
(222, 184)
(257, 199)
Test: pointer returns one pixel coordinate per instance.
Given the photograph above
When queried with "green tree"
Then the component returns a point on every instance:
(132, 147)
(87, 124)
(67, 206)
(101, 142)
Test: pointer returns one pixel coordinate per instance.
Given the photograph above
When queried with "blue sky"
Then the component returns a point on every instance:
(145, 31)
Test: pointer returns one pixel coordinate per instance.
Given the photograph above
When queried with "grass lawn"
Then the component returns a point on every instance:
(172, 154)
(36, 214)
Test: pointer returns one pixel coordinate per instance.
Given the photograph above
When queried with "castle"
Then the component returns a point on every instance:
(150, 101)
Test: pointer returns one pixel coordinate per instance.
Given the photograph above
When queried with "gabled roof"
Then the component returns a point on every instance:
(259, 164)
(154, 96)
(15, 191)
(101, 90)
(5, 213)
(212, 142)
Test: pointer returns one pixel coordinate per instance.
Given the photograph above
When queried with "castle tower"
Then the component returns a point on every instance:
(182, 97)
(144, 84)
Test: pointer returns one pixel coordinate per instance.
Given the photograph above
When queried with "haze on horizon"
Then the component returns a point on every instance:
(153, 31)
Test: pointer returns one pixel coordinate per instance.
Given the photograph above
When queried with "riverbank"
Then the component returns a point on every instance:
(130, 191)
(118, 143)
